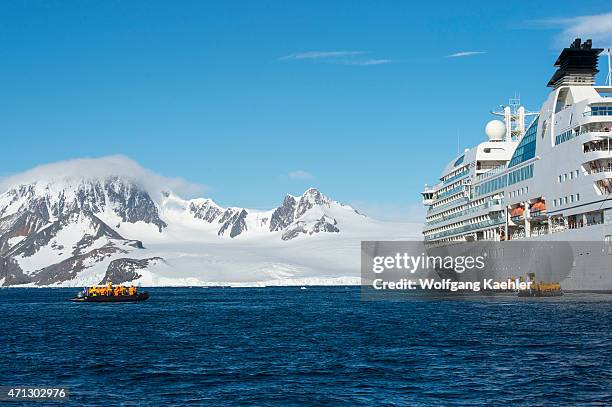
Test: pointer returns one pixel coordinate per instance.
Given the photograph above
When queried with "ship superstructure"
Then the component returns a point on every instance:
(544, 175)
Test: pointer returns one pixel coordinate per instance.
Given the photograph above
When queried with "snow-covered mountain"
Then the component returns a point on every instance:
(297, 216)
(75, 228)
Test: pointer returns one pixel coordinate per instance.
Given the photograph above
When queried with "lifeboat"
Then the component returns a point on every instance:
(542, 290)
(538, 206)
(518, 211)
(110, 293)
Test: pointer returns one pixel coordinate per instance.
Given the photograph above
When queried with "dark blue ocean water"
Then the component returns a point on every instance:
(320, 346)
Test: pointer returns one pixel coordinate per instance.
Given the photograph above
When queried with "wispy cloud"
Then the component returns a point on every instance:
(356, 58)
(102, 168)
(597, 26)
(300, 175)
(321, 55)
(465, 54)
(367, 62)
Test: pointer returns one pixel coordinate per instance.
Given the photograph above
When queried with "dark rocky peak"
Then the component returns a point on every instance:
(234, 221)
(284, 214)
(124, 196)
(205, 209)
(312, 197)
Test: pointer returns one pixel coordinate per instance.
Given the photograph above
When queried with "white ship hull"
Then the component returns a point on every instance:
(582, 264)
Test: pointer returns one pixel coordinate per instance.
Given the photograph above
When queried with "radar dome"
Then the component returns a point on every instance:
(495, 130)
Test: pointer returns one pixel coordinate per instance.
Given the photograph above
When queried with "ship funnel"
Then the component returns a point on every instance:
(576, 65)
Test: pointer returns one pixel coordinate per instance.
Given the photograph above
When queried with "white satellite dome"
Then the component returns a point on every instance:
(495, 130)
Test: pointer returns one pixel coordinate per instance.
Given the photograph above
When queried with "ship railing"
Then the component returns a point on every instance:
(494, 171)
(541, 231)
(580, 224)
(557, 228)
(466, 228)
(599, 170)
(537, 231)
(591, 148)
(454, 202)
(600, 131)
(554, 228)
(450, 192)
(456, 176)
(475, 209)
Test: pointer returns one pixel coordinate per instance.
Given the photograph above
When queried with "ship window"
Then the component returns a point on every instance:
(520, 175)
(565, 136)
(555, 202)
(604, 93)
(526, 148)
(577, 197)
(605, 110)
(608, 240)
(577, 173)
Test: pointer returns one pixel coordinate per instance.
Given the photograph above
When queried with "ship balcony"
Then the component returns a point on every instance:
(496, 207)
(598, 167)
(597, 149)
(604, 185)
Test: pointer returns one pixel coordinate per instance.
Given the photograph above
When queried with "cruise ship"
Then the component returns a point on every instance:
(539, 177)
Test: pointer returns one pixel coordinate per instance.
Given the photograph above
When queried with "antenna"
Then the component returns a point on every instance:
(457, 142)
(609, 77)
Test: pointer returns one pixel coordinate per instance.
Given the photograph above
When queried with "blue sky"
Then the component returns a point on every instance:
(256, 99)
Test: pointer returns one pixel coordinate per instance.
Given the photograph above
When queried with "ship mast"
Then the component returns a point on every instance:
(514, 118)
(609, 77)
